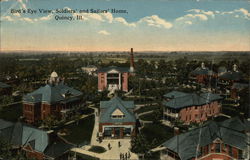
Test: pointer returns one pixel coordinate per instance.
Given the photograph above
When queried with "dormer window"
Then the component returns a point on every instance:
(117, 114)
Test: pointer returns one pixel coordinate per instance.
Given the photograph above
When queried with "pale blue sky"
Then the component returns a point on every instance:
(160, 25)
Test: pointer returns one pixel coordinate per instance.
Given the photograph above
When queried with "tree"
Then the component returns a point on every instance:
(139, 144)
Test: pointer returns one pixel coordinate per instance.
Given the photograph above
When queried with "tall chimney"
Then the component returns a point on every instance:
(132, 65)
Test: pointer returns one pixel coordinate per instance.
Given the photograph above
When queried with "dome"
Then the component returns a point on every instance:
(54, 75)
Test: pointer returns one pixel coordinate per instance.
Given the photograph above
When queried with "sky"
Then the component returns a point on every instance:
(147, 25)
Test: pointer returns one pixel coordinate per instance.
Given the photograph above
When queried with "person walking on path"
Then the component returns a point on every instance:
(109, 146)
(119, 144)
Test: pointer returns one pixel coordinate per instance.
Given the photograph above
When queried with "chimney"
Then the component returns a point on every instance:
(176, 131)
(132, 66)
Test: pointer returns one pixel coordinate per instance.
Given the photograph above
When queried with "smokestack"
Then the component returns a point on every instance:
(132, 66)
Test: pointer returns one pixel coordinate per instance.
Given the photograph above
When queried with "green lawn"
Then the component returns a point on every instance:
(147, 117)
(11, 113)
(158, 133)
(146, 108)
(80, 134)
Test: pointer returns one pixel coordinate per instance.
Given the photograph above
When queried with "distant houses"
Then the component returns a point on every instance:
(5, 89)
(34, 142)
(117, 119)
(90, 70)
(213, 140)
(190, 107)
(55, 98)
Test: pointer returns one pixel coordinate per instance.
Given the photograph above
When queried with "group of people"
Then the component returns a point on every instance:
(125, 156)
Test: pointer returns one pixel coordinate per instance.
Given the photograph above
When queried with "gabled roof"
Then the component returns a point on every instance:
(4, 85)
(182, 99)
(108, 107)
(175, 94)
(232, 75)
(119, 69)
(185, 144)
(51, 94)
(240, 86)
(202, 71)
(19, 134)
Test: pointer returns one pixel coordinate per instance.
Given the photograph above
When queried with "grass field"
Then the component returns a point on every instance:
(158, 133)
(80, 134)
(11, 113)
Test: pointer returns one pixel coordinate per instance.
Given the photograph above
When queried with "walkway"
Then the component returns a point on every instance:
(114, 152)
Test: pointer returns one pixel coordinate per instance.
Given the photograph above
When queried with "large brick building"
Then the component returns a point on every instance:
(202, 74)
(115, 78)
(213, 140)
(117, 119)
(190, 107)
(36, 143)
(54, 98)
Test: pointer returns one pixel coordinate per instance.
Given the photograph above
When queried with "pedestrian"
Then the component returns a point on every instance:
(129, 155)
(109, 146)
(119, 144)
(120, 156)
(126, 156)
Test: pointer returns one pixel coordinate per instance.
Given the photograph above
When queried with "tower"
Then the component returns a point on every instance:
(132, 66)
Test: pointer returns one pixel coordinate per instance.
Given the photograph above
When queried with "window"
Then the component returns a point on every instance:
(118, 116)
(230, 151)
(239, 154)
(217, 147)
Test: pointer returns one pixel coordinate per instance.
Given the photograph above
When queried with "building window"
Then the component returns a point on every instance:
(217, 147)
(239, 154)
(118, 116)
(230, 152)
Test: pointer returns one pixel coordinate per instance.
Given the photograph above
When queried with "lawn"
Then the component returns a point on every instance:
(147, 117)
(80, 134)
(146, 108)
(158, 133)
(11, 113)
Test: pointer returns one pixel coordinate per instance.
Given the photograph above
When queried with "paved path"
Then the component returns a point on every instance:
(113, 153)
(110, 154)
(96, 128)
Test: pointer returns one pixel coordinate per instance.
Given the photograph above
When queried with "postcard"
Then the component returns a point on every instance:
(124, 79)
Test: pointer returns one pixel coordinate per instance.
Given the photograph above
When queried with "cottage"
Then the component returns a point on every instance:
(190, 107)
(117, 119)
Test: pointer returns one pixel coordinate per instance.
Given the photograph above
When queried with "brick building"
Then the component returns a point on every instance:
(232, 82)
(5, 89)
(36, 143)
(117, 119)
(202, 74)
(190, 107)
(115, 78)
(213, 140)
(54, 98)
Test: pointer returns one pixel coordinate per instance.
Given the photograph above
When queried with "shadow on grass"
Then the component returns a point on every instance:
(80, 134)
